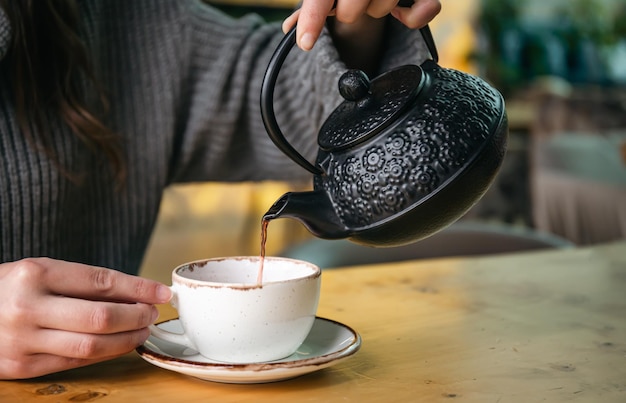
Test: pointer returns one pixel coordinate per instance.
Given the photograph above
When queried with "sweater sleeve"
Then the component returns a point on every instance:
(223, 137)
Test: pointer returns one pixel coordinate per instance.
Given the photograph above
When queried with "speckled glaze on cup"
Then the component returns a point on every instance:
(228, 317)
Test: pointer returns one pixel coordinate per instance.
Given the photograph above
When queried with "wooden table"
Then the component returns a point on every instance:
(535, 327)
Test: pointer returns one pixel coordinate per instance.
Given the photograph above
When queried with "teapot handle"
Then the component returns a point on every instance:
(426, 33)
(267, 105)
(430, 42)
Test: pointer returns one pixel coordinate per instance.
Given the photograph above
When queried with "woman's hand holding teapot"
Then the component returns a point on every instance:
(358, 16)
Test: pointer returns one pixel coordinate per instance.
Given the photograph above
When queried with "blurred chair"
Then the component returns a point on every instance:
(459, 239)
(578, 187)
(578, 163)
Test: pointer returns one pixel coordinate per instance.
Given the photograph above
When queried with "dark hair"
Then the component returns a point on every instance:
(47, 62)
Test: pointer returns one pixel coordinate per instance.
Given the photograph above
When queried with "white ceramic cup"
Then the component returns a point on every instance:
(228, 317)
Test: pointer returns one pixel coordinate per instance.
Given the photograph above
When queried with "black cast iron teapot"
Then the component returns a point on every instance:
(403, 156)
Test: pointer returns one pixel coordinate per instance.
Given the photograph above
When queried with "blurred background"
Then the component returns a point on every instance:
(561, 66)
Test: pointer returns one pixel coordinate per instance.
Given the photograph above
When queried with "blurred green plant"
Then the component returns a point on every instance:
(600, 21)
(576, 37)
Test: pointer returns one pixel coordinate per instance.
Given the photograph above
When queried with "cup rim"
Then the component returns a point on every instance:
(177, 278)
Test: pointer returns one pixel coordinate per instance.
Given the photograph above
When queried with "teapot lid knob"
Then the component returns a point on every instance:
(354, 85)
(369, 107)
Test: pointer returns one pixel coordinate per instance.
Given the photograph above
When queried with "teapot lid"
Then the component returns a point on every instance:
(369, 107)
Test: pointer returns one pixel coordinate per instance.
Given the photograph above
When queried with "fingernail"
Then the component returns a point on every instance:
(164, 293)
(142, 335)
(307, 41)
(155, 314)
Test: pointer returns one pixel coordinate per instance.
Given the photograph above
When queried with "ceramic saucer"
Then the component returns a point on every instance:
(328, 343)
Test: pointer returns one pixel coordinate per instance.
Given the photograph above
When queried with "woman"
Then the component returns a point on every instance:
(105, 103)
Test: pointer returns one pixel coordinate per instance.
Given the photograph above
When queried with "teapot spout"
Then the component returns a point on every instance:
(313, 209)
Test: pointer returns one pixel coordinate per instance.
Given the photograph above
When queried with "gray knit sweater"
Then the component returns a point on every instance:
(183, 81)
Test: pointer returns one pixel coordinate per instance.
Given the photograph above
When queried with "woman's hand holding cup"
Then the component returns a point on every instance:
(57, 315)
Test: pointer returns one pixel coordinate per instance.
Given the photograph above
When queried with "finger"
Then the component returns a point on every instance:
(350, 12)
(419, 14)
(380, 8)
(87, 346)
(91, 282)
(311, 22)
(95, 317)
(290, 21)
